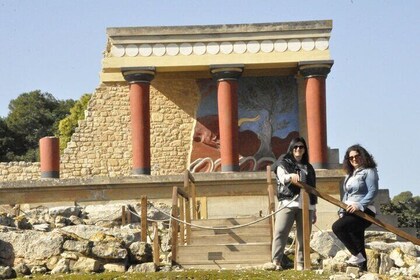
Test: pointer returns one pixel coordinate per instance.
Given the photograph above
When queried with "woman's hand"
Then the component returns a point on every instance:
(294, 178)
(351, 208)
(314, 218)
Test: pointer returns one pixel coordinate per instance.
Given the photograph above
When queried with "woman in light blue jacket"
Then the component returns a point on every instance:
(360, 188)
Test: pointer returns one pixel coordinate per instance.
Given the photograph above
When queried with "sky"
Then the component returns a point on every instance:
(56, 46)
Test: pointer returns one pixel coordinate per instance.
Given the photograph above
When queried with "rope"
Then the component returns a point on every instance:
(226, 228)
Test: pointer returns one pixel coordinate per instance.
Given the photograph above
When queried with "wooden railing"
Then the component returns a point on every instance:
(305, 191)
(184, 214)
(184, 205)
(126, 218)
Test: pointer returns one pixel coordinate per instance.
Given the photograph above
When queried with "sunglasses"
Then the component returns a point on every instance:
(354, 157)
(298, 147)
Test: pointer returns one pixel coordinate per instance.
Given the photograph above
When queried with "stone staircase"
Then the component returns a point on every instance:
(228, 248)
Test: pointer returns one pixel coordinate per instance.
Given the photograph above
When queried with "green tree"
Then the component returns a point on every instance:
(67, 125)
(407, 208)
(6, 141)
(34, 115)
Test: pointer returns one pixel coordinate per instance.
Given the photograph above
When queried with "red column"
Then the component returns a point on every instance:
(49, 150)
(227, 96)
(139, 79)
(316, 113)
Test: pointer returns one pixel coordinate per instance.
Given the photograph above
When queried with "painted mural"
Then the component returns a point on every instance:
(267, 121)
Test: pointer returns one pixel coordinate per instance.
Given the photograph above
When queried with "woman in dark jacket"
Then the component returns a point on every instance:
(294, 166)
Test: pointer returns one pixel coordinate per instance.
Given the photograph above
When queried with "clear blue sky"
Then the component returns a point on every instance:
(372, 90)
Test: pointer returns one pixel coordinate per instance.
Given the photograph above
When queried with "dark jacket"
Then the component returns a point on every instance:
(289, 191)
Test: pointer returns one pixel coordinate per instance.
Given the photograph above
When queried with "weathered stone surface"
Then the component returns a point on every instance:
(82, 247)
(141, 252)
(109, 250)
(372, 260)
(398, 257)
(114, 267)
(33, 246)
(385, 263)
(6, 272)
(144, 267)
(22, 269)
(65, 211)
(109, 212)
(326, 243)
(86, 265)
(61, 267)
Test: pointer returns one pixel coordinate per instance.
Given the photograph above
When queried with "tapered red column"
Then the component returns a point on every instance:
(139, 80)
(49, 150)
(315, 74)
(227, 98)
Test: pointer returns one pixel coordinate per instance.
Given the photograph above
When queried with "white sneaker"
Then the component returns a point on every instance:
(299, 267)
(277, 266)
(355, 260)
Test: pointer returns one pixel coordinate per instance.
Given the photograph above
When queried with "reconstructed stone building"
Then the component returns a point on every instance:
(219, 98)
(207, 98)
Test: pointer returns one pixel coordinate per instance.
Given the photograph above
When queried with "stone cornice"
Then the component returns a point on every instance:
(193, 48)
(142, 32)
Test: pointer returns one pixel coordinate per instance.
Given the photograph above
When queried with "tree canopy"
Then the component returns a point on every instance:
(68, 124)
(407, 208)
(32, 115)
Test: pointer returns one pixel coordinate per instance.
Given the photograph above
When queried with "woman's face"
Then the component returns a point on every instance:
(354, 158)
(298, 151)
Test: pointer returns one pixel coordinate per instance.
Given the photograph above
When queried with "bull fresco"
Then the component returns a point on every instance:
(267, 121)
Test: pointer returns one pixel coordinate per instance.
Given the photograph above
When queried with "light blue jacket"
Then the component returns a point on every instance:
(361, 187)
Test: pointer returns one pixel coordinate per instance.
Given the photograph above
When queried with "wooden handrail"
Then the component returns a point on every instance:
(184, 213)
(361, 214)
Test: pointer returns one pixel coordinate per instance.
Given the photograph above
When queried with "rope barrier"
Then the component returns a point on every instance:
(217, 228)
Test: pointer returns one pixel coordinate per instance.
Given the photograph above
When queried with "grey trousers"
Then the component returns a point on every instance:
(284, 222)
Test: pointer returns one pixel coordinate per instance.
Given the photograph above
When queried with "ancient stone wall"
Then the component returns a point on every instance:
(101, 144)
(19, 171)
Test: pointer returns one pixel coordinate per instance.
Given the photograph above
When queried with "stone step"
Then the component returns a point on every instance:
(224, 256)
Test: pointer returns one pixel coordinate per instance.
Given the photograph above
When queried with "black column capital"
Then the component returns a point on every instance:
(319, 68)
(226, 72)
(138, 74)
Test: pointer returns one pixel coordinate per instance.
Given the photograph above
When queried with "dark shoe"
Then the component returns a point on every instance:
(363, 266)
(286, 263)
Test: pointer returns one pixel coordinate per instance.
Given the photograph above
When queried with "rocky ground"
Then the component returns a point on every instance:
(91, 239)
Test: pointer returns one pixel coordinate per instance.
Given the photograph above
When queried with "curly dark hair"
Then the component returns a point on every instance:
(366, 159)
(289, 153)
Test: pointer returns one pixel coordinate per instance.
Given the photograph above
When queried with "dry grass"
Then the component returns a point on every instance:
(194, 274)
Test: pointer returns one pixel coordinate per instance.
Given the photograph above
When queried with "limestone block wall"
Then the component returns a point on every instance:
(101, 144)
(19, 171)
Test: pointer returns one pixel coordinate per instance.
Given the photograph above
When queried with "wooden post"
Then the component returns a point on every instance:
(143, 218)
(156, 247)
(306, 230)
(187, 189)
(174, 224)
(188, 220)
(182, 218)
(193, 195)
(123, 216)
(271, 203)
